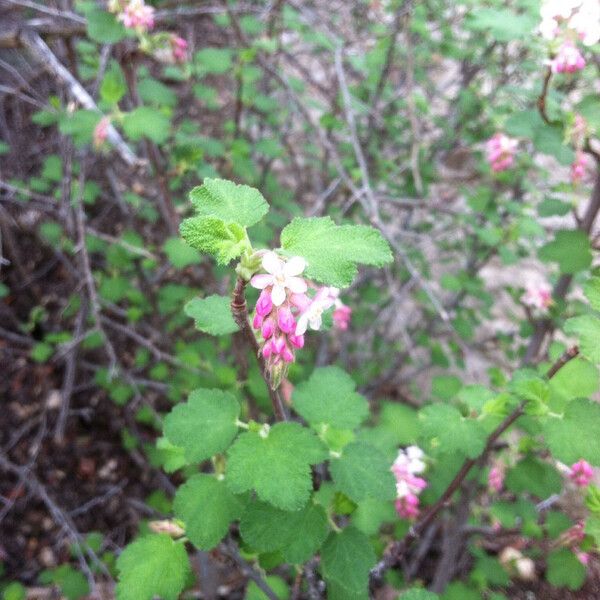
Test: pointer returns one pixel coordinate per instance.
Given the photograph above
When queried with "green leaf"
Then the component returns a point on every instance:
(592, 292)
(552, 207)
(549, 139)
(449, 432)
(212, 236)
(277, 584)
(589, 108)
(347, 558)
(147, 122)
(205, 425)
(207, 508)
(180, 254)
(213, 60)
(211, 314)
(533, 476)
(329, 398)
(575, 435)
(363, 472)
(577, 379)
(276, 466)
(570, 249)
(113, 86)
(152, 566)
(172, 457)
(564, 569)
(154, 92)
(503, 24)
(332, 252)
(229, 202)
(298, 535)
(80, 125)
(104, 28)
(523, 124)
(418, 594)
(587, 330)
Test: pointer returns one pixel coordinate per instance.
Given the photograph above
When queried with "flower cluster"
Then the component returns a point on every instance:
(496, 478)
(568, 59)
(537, 296)
(405, 468)
(101, 131)
(578, 168)
(134, 14)
(500, 152)
(579, 19)
(284, 311)
(581, 473)
(568, 22)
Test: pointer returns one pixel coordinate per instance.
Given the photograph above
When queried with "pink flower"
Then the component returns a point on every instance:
(580, 18)
(101, 131)
(285, 320)
(281, 276)
(578, 167)
(568, 59)
(500, 152)
(408, 506)
(264, 304)
(583, 557)
(137, 15)
(496, 479)
(581, 473)
(408, 485)
(537, 296)
(341, 316)
(313, 313)
(179, 47)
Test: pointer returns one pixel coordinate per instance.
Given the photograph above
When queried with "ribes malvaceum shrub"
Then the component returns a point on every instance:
(318, 481)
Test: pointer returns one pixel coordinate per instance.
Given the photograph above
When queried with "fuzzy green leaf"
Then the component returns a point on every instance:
(152, 566)
(587, 330)
(212, 236)
(570, 249)
(565, 569)
(276, 466)
(298, 535)
(534, 476)
(328, 398)
(229, 202)
(145, 121)
(418, 594)
(575, 435)
(449, 432)
(332, 252)
(363, 472)
(180, 254)
(207, 507)
(347, 558)
(211, 314)
(592, 292)
(205, 425)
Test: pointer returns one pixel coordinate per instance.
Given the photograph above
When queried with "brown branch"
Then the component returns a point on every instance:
(397, 549)
(239, 310)
(541, 101)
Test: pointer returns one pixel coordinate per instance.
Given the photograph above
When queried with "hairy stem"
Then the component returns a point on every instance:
(239, 310)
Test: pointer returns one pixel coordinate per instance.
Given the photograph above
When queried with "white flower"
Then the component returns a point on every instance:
(313, 314)
(415, 456)
(281, 275)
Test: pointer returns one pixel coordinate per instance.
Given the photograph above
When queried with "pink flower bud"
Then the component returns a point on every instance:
(341, 317)
(583, 557)
(264, 304)
(101, 131)
(278, 345)
(581, 473)
(257, 321)
(268, 328)
(496, 479)
(268, 349)
(287, 355)
(286, 320)
(296, 340)
(179, 47)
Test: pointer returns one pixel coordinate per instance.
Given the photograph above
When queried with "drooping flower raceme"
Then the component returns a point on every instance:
(578, 168)
(496, 478)
(568, 59)
(500, 152)
(537, 296)
(581, 473)
(101, 131)
(405, 468)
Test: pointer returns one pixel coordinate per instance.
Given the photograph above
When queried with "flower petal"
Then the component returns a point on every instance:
(294, 266)
(261, 281)
(296, 284)
(272, 263)
(302, 325)
(278, 295)
(315, 322)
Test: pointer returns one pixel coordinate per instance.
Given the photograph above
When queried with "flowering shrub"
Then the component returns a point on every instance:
(397, 392)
